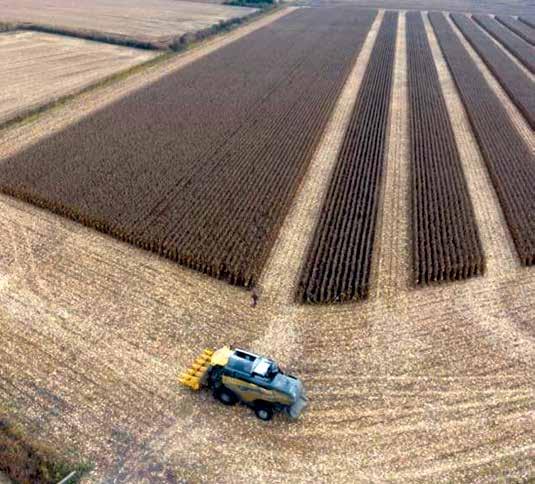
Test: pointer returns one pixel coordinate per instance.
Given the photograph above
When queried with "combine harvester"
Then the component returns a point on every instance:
(238, 376)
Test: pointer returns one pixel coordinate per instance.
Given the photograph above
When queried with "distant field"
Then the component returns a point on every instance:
(38, 67)
(148, 20)
(500, 7)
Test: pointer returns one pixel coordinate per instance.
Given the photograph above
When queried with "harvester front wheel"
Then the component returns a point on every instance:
(264, 411)
(226, 396)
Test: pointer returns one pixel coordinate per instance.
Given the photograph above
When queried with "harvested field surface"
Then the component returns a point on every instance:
(524, 52)
(433, 384)
(446, 243)
(38, 68)
(339, 260)
(255, 143)
(146, 21)
(519, 28)
(510, 161)
(428, 370)
(510, 76)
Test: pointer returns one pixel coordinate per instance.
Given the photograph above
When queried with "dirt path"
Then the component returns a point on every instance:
(391, 265)
(414, 385)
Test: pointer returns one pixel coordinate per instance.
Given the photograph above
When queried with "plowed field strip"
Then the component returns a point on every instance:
(212, 197)
(339, 260)
(510, 161)
(519, 28)
(515, 82)
(524, 52)
(446, 243)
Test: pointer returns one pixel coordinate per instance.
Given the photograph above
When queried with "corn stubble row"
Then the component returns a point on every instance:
(446, 244)
(202, 165)
(518, 47)
(337, 268)
(513, 80)
(510, 162)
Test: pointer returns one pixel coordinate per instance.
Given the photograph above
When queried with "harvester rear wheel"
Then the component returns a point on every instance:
(264, 411)
(226, 396)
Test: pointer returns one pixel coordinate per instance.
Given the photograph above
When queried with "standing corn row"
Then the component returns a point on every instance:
(510, 162)
(339, 260)
(446, 243)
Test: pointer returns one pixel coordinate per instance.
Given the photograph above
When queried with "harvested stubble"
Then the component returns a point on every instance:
(445, 237)
(151, 24)
(510, 76)
(520, 49)
(40, 69)
(519, 28)
(339, 259)
(201, 166)
(511, 163)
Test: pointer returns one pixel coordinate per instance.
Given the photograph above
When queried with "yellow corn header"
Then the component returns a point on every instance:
(193, 376)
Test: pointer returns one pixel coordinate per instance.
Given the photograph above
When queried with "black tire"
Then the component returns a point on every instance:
(215, 375)
(226, 396)
(264, 411)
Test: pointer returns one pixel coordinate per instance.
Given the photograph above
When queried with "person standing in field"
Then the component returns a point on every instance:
(254, 297)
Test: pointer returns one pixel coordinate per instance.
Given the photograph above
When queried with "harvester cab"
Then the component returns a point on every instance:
(236, 375)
